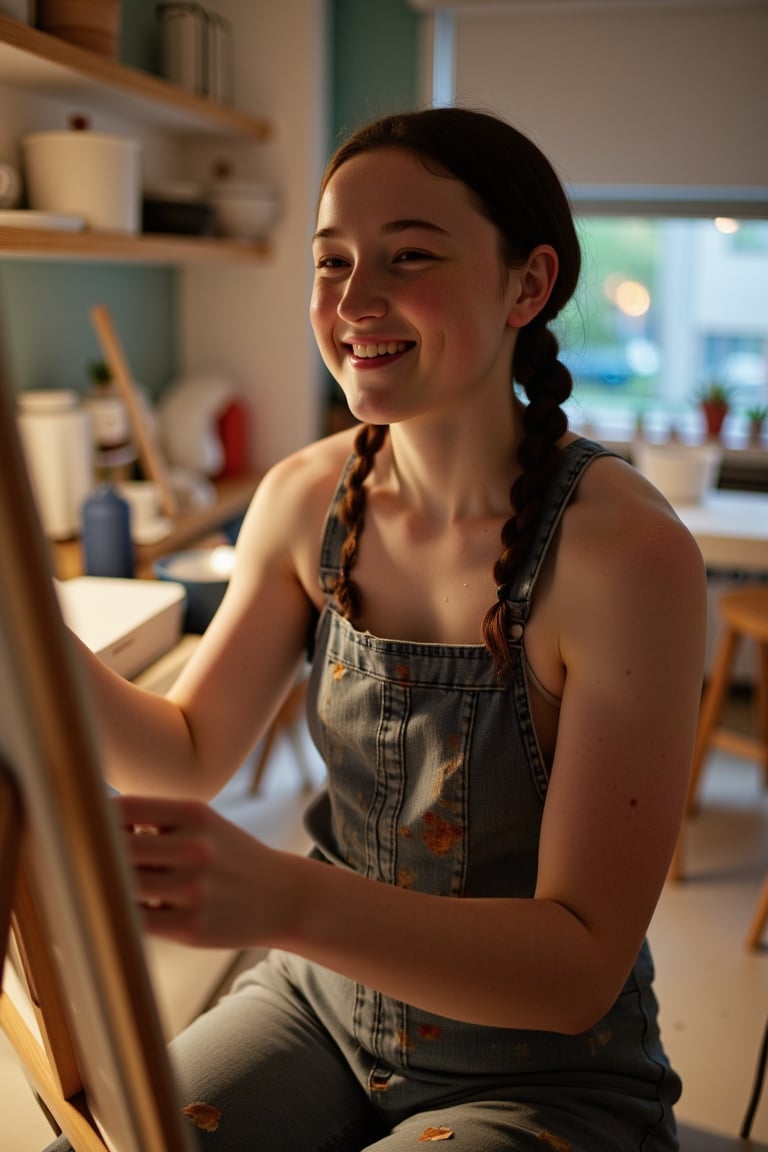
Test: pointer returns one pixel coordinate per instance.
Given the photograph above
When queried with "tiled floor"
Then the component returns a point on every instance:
(713, 994)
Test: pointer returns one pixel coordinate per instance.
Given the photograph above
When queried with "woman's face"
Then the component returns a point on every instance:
(410, 302)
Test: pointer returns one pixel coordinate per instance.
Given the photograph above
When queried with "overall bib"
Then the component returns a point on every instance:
(435, 782)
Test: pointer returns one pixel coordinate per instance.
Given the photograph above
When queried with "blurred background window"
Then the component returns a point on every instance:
(665, 307)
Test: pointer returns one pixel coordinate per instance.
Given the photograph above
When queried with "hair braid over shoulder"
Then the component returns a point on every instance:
(368, 441)
(547, 383)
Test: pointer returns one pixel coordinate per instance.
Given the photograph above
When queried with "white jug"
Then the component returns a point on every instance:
(55, 432)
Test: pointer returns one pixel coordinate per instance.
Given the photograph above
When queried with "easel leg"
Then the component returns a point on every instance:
(10, 841)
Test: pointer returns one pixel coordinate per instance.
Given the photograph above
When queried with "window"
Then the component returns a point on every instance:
(664, 306)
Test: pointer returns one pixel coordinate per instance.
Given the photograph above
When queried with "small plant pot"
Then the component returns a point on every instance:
(714, 416)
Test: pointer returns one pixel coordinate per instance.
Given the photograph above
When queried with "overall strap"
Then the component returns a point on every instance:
(334, 534)
(575, 458)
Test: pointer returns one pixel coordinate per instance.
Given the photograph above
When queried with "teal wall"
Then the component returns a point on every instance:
(374, 61)
(48, 332)
(45, 305)
(374, 70)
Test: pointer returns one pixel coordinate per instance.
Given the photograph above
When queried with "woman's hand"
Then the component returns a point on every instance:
(198, 878)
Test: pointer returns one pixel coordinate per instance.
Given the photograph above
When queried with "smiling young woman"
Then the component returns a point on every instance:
(507, 640)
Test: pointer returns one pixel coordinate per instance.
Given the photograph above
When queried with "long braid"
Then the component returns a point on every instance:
(368, 441)
(547, 383)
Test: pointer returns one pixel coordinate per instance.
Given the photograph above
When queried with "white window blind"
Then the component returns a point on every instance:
(618, 94)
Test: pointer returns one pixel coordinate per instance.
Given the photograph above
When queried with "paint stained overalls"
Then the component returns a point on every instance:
(435, 782)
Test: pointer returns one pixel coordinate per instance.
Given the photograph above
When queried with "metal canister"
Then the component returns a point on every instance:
(184, 45)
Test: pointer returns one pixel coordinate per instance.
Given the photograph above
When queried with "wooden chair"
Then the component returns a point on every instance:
(744, 615)
(287, 721)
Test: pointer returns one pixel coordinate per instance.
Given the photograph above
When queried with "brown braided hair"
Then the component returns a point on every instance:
(517, 189)
(352, 513)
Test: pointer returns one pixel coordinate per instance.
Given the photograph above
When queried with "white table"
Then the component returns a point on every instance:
(731, 529)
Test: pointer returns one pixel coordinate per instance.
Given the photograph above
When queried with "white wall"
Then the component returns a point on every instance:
(642, 93)
(253, 323)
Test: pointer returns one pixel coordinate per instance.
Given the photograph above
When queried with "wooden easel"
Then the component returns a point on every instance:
(102, 1070)
(52, 1070)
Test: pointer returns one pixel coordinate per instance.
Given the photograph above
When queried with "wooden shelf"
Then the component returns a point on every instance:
(189, 528)
(47, 66)
(119, 247)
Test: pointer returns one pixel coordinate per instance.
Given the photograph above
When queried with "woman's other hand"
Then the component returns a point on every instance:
(198, 878)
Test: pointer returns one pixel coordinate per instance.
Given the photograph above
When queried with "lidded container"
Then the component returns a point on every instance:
(55, 433)
(196, 49)
(82, 173)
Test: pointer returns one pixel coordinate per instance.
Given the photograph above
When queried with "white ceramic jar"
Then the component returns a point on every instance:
(83, 173)
(55, 432)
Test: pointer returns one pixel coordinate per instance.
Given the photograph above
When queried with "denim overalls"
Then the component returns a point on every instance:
(435, 782)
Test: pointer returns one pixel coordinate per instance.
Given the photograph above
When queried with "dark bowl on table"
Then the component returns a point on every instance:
(204, 574)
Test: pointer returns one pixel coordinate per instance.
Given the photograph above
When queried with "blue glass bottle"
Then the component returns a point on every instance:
(107, 543)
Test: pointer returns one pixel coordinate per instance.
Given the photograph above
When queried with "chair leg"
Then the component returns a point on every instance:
(264, 754)
(711, 705)
(760, 917)
(762, 706)
(756, 928)
(676, 867)
(287, 717)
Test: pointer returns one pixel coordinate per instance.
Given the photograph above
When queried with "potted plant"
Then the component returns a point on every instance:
(756, 417)
(715, 401)
(109, 416)
(99, 373)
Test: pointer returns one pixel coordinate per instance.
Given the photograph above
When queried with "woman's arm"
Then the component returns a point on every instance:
(632, 641)
(191, 741)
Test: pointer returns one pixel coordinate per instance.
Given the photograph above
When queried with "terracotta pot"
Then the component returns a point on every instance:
(714, 415)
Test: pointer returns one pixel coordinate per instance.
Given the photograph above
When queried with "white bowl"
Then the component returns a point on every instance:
(684, 473)
(244, 211)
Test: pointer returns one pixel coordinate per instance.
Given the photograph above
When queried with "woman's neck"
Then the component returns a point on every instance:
(452, 470)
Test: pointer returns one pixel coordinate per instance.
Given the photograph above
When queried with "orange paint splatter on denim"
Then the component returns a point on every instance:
(555, 1142)
(439, 835)
(203, 1116)
(444, 773)
(430, 1032)
(339, 671)
(598, 1040)
(405, 1041)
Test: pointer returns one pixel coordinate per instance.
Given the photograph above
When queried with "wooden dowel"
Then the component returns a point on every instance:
(149, 456)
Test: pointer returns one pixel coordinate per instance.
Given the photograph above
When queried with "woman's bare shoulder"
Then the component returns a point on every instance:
(307, 478)
(620, 527)
(284, 524)
(320, 462)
